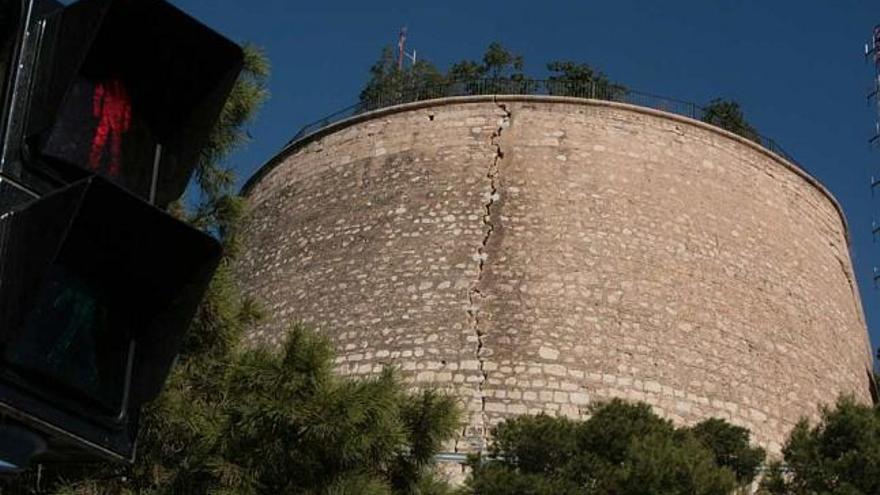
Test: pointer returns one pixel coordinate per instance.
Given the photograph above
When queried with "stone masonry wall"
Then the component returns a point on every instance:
(541, 254)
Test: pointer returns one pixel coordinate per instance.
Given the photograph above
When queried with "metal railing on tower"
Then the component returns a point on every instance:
(592, 90)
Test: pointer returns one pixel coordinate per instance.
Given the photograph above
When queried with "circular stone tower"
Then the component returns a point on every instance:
(537, 253)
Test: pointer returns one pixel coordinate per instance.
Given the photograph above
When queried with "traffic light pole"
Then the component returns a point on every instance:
(22, 67)
(14, 103)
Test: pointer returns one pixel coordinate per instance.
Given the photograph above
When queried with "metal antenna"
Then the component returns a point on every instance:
(401, 47)
(872, 53)
(401, 50)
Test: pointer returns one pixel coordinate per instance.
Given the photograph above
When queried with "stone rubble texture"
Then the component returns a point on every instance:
(539, 254)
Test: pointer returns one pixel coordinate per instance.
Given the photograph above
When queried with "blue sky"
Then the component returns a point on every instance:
(796, 68)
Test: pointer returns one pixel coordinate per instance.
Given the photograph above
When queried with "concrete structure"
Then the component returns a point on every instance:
(543, 253)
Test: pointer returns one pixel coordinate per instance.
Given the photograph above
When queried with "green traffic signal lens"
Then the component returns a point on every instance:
(72, 340)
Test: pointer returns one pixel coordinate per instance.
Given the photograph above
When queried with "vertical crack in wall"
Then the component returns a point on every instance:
(475, 295)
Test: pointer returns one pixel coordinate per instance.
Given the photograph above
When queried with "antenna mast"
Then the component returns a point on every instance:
(401, 47)
(872, 52)
(401, 50)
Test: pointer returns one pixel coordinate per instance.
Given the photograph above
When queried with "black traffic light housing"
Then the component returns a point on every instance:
(175, 72)
(93, 303)
(97, 57)
(107, 104)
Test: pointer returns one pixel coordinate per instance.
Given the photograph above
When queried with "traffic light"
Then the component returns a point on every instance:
(107, 104)
(127, 89)
(94, 301)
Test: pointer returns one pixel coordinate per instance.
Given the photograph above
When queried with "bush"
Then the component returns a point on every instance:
(728, 115)
(839, 455)
(622, 449)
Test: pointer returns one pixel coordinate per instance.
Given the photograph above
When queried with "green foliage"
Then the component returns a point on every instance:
(429, 418)
(728, 115)
(262, 422)
(774, 480)
(282, 422)
(390, 84)
(730, 446)
(535, 444)
(218, 208)
(670, 464)
(295, 427)
(499, 62)
(622, 449)
(466, 71)
(839, 455)
(576, 79)
(498, 71)
(614, 425)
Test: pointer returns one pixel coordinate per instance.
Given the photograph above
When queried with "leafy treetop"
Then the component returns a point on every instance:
(728, 115)
(502, 71)
(622, 449)
(838, 455)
